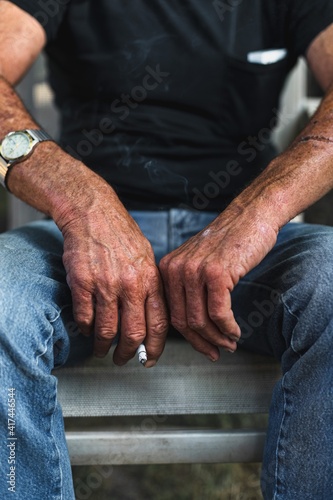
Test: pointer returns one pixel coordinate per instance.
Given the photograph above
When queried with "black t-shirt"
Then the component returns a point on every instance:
(169, 100)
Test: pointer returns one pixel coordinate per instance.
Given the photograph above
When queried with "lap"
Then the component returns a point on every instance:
(293, 281)
(301, 260)
(36, 301)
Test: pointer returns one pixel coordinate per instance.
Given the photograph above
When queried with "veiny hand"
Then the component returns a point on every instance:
(200, 275)
(111, 271)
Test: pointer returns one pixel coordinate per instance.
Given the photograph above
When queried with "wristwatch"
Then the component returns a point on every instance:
(18, 146)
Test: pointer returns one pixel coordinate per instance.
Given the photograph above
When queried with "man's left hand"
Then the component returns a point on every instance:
(200, 275)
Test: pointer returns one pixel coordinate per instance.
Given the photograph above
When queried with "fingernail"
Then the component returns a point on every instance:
(211, 358)
(120, 363)
(229, 350)
(150, 364)
(234, 338)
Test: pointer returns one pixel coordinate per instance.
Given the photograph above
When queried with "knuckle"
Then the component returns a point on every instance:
(106, 296)
(222, 321)
(211, 273)
(101, 338)
(191, 268)
(164, 263)
(130, 281)
(218, 316)
(160, 327)
(79, 281)
(105, 333)
(83, 318)
(190, 274)
(106, 280)
(133, 275)
(83, 322)
(179, 324)
(197, 325)
(133, 339)
(173, 267)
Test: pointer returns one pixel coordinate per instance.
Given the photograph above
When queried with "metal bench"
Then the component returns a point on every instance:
(182, 383)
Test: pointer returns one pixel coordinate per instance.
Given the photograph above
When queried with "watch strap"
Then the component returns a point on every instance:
(38, 136)
(3, 172)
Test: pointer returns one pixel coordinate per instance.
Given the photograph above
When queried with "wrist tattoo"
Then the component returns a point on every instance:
(320, 138)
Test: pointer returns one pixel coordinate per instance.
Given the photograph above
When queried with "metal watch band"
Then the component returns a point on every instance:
(38, 136)
(3, 172)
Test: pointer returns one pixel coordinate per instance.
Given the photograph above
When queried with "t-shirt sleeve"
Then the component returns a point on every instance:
(49, 13)
(307, 18)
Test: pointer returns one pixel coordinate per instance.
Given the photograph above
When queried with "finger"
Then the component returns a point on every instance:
(198, 317)
(201, 345)
(133, 330)
(176, 298)
(106, 325)
(157, 326)
(83, 310)
(179, 321)
(220, 311)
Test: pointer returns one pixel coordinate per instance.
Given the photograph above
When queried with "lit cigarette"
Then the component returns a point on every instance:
(142, 354)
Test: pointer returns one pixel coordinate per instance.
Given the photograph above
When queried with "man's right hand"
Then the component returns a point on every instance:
(112, 275)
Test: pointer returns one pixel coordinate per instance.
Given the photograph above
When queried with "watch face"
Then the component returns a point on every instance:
(15, 146)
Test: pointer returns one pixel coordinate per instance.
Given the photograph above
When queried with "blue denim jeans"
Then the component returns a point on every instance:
(284, 307)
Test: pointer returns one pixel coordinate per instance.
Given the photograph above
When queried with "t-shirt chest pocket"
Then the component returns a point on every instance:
(251, 92)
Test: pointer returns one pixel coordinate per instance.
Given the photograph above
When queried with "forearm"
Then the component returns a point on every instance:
(50, 180)
(109, 263)
(298, 177)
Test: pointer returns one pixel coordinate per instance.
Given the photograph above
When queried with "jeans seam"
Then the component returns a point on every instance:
(56, 446)
(275, 497)
(55, 399)
(51, 321)
(292, 346)
(283, 388)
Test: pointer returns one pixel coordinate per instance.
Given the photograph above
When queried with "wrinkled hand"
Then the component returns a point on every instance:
(111, 272)
(200, 275)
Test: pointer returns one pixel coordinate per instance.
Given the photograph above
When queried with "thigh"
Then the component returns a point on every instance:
(269, 301)
(33, 339)
(35, 247)
(36, 319)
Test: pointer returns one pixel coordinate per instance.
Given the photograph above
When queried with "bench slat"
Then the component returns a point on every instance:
(183, 382)
(164, 447)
